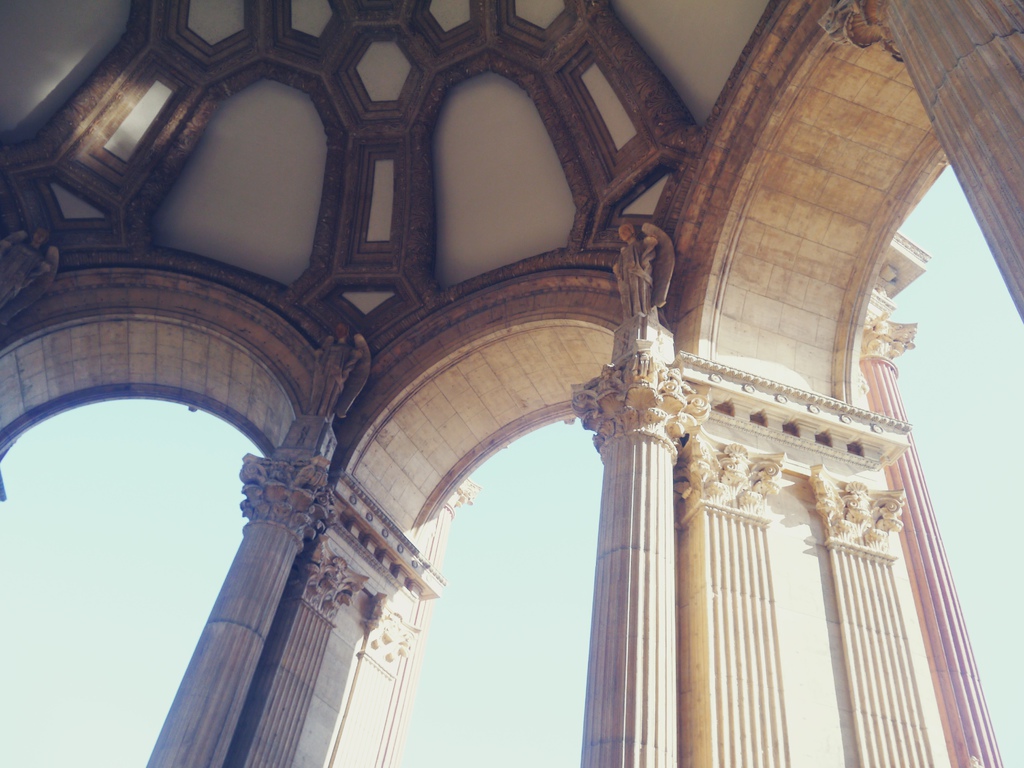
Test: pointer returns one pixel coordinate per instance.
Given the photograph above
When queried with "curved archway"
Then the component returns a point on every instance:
(121, 523)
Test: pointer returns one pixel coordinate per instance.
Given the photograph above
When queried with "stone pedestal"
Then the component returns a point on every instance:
(639, 407)
(283, 510)
(968, 728)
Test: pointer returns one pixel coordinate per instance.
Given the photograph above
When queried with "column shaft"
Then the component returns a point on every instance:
(966, 60)
(968, 728)
(630, 715)
(202, 718)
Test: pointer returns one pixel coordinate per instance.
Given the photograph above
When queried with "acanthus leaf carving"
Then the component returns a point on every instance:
(884, 338)
(285, 493)
(389, 638)
(640, 397)
(728, 479)
(329, 581)
(856, 517)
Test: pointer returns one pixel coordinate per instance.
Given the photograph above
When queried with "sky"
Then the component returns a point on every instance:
(123, 518)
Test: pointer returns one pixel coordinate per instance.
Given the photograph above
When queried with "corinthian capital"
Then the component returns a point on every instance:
(728, 479)
(884, 338)
(389, 638)
(330, 582)
(856, 518)
(859, 22)
(285, 493)
(639, 397)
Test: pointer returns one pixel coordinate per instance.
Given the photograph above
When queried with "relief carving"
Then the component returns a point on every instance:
(640, 397)
(330, 583)
(861, 23)
(291, 494)
(855, 517)
(26, 271)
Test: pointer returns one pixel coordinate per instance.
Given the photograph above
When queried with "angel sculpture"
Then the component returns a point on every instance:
(25, 271)
(342, 369)
(644, 270)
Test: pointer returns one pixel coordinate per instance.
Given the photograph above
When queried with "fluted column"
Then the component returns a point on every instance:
(887, 709)
(734, 713)
(276, 709)
(639, 406)
(282, 508)
(965, 59)
(965, 717)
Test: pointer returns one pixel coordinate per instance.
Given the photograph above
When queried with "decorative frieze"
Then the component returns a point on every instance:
(330, 582)
(286, 493)
(855, 517)
(640, 397)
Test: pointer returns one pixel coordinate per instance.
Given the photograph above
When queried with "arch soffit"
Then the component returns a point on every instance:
(478, 398)
(842, 153)
(106, 334)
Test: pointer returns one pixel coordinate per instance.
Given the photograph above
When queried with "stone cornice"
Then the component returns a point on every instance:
(751, 383)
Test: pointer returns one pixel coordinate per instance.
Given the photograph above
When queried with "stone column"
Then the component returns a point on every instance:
(639, 406)
(730, 671)
(282, 510)
(965, 59)
(276, 709)
(887, 710)
(965, 718)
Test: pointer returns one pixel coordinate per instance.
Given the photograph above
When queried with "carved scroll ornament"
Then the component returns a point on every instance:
(728, 479)
(330, 582)
(884, 338)
(641, 397)
(855, 517)
(291, 494)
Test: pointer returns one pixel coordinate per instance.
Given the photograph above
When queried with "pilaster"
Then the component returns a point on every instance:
(889, 718)
(733, 712)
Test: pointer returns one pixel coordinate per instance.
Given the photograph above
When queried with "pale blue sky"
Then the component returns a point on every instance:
(123, 518)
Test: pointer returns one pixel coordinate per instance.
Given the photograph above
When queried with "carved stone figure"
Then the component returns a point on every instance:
(343, 368)
(25, 271)
(644, 270)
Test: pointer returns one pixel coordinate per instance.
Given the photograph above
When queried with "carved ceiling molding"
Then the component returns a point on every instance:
(159, 45)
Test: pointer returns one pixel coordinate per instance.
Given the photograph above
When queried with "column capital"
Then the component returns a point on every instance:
(728, 479)
(884, 338)
(289, 494)
(640, 397)
(388, 638)
(329, 581)
(856, 518)
(861, 23)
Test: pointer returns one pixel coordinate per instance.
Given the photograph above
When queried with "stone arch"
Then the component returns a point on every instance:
(138, 356)
(473, 402)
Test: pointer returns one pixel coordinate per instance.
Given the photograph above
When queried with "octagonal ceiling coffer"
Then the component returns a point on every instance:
(310, 16)
(450, 14)
(216, 20)
(539, 12)
(383, 70)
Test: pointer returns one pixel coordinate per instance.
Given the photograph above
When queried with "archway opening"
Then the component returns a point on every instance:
(504, 675)
(121, 522)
